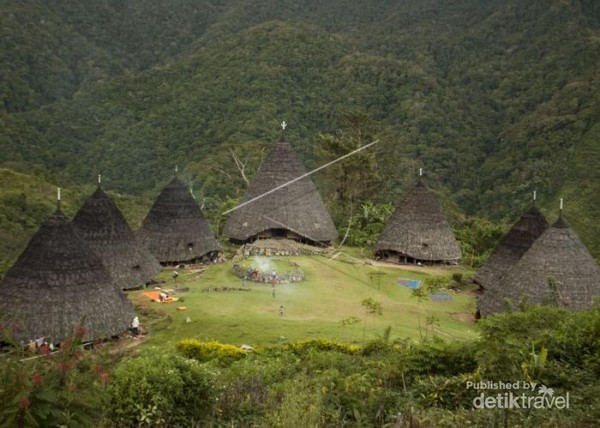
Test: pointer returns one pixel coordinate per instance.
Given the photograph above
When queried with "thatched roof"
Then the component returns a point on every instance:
(418, 229)
(557, 269)
(101, 224)
(59, 282)
(297, 207)
(510, 249)
(175, 229)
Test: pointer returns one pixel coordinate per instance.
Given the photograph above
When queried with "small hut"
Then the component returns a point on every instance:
(101, 224)
(58, 282)
(557, 270)
(418, 231)
(175, 229)
(295, 211)
(510, 249)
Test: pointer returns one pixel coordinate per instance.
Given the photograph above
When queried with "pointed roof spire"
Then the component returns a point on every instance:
(420, 179)
(560, 222)
(58, 198)
(99, 180)
(283, 126)
(176, 170)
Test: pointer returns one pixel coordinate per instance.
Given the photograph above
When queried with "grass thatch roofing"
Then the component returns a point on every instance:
(510, 249)
(175, 229)
(59, 282)
(418, 229)
(297, 207)
(557, 269)
(101, 224)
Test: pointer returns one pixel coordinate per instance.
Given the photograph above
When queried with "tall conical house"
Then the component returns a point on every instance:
(556, 270)
(418, 231)
(510, 249)
(295, 211)
(101, 224)
(58, 282)
(175, 229)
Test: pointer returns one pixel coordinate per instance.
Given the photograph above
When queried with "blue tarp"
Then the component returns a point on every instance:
(410, 283)
(441, 297)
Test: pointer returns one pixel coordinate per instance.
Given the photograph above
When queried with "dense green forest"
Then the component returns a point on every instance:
(493, 98)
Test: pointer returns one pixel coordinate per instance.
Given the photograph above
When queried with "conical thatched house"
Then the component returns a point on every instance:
(58, 282)
(556, 270)
(510, 249)
(175, 229)
(295, 211)
(101, 224)
(417, 231)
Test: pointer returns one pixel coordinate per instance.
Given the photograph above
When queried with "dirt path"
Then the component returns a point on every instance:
(431, 270)
(126, 343)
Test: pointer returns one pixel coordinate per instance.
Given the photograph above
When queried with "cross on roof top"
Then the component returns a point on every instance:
(283, 125)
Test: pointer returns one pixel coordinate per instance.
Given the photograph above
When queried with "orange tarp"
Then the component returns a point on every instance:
(154, 296)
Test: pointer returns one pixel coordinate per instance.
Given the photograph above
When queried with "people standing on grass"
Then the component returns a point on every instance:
(135, 326)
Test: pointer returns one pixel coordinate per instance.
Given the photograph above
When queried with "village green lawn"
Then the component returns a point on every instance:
(314, 308)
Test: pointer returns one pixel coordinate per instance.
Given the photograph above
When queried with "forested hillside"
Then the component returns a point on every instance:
(493, 98)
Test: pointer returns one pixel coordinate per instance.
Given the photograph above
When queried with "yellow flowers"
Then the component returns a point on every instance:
(206, 351)
(323, 345)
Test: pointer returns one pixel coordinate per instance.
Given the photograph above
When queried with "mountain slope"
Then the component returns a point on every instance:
(494, 98)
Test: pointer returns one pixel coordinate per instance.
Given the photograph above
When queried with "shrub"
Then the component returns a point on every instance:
(62, 389)
(300, 405)
(437, 357)
(302, 346)
(207, 351)
(160, 390)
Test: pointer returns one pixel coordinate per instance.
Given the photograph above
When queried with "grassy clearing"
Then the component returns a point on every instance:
(314, 308)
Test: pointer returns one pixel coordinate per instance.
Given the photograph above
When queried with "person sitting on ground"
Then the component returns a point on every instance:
(44, 349)
(162, 296)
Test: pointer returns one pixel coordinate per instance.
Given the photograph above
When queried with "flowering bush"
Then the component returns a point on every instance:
(301, 346)
(65, 388)
(207, 351)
